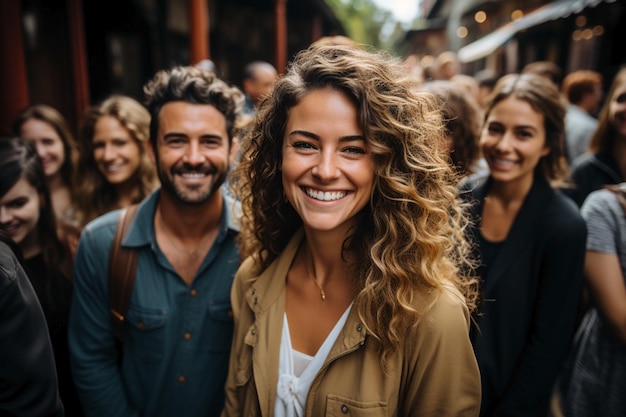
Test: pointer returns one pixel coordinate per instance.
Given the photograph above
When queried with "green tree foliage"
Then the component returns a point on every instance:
(366, 23)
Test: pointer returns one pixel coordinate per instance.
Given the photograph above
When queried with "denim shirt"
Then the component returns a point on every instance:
(177, 337)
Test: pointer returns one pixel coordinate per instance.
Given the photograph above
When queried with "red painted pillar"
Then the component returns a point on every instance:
(280, 22)
(13, 79)
(199, 31)
(79, 59)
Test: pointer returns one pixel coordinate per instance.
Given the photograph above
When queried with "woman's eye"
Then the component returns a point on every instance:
(20, 202)
(303, 145)
(494, 130)
(525, 134)
(355, 150)
(621, 98)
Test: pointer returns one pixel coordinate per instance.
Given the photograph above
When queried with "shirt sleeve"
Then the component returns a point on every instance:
(601, 211)
(93, 351)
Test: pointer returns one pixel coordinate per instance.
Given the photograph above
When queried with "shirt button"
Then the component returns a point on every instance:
(344, 409)
(187, 336)
(182, 379)
(140, 325)
(193, 292)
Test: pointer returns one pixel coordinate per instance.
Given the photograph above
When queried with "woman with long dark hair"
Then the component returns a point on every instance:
(26, 215)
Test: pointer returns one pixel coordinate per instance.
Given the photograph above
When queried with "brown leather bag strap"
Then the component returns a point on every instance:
(122, 270)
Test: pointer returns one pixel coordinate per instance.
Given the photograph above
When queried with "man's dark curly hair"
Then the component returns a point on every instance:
(192, 85)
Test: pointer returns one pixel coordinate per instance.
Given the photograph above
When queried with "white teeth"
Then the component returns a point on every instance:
(503, 162)
(113, 167)
(325, 196)
(193, 175)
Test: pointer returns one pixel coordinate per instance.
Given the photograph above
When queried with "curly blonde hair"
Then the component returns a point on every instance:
(95, 195)
(409, 240)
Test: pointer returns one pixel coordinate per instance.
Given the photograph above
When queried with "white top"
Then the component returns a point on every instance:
(296, 370)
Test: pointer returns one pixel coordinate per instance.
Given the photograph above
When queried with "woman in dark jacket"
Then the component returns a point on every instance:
(28, 379)
(531, 243)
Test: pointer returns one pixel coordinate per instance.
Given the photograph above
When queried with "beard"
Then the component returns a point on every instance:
(194, 194)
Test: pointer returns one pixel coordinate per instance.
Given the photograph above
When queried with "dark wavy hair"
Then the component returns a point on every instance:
(408, 241)
(19, 159)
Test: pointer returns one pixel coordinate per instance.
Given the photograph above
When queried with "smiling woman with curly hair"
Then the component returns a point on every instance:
(357, 287)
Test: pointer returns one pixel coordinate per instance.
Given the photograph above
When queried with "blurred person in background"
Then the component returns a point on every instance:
(258, 80)
(605, 161)
(29, 386)
(463, 119)
(595, 377)
(47, 130)
(583, 91)
(487, 80)
(530, 239)
(115, 170)
(26, 215)
(546, 69)
(447, 65)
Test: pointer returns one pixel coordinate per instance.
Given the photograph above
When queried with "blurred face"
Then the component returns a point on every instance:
(262, 84)
(48, 144)
(19, 212)
(327, 170)
(192, 151)
(617, 110)
(513, 140)
(116, 153)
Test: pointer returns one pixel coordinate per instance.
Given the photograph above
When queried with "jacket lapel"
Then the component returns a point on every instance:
(522, 230)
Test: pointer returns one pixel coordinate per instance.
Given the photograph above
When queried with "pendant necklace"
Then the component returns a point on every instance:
(322, 293)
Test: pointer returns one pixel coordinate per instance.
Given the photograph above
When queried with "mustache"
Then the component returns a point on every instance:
(205, 169)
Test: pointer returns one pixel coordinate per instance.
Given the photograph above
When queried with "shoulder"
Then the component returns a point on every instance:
(98, 233)
(563, 215)
(103, 223)
(601, 203)
(583, 162)
(246, 275)
(8, 265)
(448, 312)
(599, 198)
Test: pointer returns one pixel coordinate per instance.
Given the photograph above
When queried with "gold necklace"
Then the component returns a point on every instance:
(322, 293)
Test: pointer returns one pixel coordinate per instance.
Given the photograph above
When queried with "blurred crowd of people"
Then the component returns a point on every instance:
(505, 191)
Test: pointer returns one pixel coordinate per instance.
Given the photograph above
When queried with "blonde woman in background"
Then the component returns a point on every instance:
(115, 170)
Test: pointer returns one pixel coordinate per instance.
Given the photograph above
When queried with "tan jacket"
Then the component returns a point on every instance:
(433, 374)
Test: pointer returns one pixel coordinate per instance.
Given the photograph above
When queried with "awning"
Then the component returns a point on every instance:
(488, 44)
